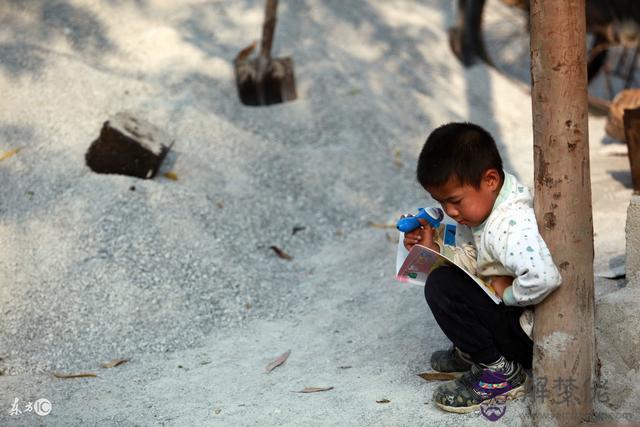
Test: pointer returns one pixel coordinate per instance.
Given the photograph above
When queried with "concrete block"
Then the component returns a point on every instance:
(617, 323)
(632, 231)
(128, 145)
(617, 340)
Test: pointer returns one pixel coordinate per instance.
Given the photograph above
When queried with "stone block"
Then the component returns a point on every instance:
(617, 323)
(632, 233)
(128, 145)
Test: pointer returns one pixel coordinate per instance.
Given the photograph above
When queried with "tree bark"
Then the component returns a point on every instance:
(564, 350)
(631, 120)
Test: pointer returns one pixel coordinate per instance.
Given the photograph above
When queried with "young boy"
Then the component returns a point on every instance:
(461, 168)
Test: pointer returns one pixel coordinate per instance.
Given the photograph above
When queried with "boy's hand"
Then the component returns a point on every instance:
(421, 236)
(500, 283)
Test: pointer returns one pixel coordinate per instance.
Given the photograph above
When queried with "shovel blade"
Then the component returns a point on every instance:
(276, 85)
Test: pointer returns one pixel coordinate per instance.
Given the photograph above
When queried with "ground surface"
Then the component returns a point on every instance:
(178, 276)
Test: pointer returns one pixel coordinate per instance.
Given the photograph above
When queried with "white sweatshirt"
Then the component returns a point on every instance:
(507, 243)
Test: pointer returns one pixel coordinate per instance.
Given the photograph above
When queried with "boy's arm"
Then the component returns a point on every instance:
(519, 247)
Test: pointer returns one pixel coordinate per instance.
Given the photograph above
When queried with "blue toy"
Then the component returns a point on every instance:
(433, 216)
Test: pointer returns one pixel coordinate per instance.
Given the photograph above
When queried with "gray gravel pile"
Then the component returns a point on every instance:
(102, 265)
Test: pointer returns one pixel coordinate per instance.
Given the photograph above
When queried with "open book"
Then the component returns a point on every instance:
(421, 261)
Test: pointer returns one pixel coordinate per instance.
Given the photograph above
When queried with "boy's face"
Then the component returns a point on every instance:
(465, 203)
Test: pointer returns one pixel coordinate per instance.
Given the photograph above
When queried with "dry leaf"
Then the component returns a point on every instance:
(344, 367)
(9, 153)
(314, 389)
(245, 53)
(297, 228)
(438, 376)
(279, 361)
(383, 401)
(171, 175)
(380, 225)
(114, 363)
(282, 254)
(220, 205)
(396, 158)
(78, 375)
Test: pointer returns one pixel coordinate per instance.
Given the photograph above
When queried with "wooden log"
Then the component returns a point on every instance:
(564, 336)
(632, 132)
(628, 99)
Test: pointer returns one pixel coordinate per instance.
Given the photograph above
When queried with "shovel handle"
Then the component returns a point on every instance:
(268, 28)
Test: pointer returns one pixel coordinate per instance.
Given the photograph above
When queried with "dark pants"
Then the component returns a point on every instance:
(473, 322)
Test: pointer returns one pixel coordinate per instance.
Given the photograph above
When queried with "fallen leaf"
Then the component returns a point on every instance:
(396, 158)
(78, 375)
(114, 363)
(282, 254)
(297, 228)
(314, 389)
(437, 376)
(171, 175)
(339, 232)
(344, 367)
(383, 401)
(9, 153)
(380, 225)
(246, 52)
(217, 411)
(279, 361)
(220, 205)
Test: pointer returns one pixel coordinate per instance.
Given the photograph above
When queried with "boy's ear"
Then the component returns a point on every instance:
(491, 178)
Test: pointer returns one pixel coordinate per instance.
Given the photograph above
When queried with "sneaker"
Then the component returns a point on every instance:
(453, 361)
(480, 384)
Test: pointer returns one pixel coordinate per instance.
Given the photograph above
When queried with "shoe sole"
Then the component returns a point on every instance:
(510, 395)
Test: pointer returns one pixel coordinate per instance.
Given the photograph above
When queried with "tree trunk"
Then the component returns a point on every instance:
(564, 350)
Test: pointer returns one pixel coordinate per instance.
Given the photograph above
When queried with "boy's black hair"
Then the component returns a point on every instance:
(464, 150)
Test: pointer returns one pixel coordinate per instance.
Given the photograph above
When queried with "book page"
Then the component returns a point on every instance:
(421, 261)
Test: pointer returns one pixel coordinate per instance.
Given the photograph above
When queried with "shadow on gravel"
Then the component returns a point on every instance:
(342, 78)
(623, 177)
(41, 22)
(299, 34)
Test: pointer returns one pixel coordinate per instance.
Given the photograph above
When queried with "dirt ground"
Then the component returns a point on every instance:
(178, 277)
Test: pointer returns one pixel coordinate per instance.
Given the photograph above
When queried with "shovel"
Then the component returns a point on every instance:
(264, 80)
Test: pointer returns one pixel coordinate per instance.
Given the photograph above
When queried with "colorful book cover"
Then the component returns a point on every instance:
(421, 261)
